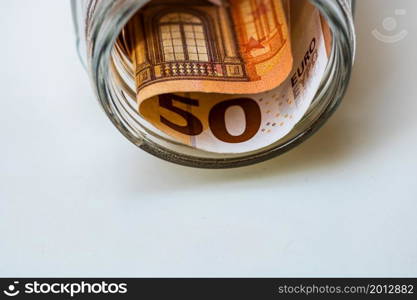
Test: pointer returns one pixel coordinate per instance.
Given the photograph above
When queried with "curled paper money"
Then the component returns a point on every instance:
(226, 76)
(236, 46)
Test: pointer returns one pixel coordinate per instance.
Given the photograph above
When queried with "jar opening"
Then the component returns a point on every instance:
(139, 128)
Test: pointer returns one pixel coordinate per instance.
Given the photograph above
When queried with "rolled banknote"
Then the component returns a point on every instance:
(224, 118)
(232, 46)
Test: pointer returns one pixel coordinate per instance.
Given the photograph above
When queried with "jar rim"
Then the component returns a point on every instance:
(107, 23)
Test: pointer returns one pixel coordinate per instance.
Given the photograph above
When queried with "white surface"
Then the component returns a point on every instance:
(77, 199)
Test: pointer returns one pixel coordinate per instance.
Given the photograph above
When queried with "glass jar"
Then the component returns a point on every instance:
(98, 24)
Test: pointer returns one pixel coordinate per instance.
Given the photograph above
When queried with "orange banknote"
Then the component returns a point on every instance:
(215, 46)
(190, 64)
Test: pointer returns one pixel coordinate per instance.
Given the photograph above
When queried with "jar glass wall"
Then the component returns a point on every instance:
(98, 25)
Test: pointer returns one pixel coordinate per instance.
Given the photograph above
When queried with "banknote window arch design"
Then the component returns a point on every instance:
(183, 37)
(188, 39)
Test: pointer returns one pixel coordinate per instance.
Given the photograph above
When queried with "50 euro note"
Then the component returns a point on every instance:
(197, 101)
(211, 46)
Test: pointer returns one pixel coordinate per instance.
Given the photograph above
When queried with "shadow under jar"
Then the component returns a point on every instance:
(98, 25)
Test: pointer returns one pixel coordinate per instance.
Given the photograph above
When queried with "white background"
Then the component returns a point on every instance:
(77, 199)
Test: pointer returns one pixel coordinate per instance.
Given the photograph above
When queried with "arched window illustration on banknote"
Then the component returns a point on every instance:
(186, 44)
(183, 37)
(199, 40)
(196, 39)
